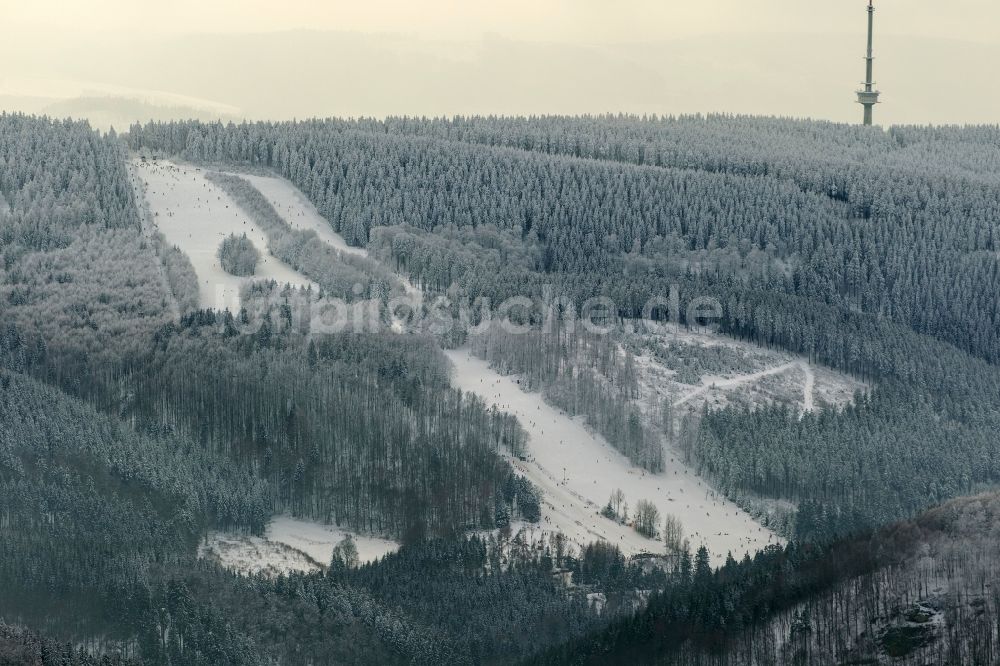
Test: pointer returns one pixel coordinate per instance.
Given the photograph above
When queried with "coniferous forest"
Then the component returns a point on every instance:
(134, 425)
(870, 253)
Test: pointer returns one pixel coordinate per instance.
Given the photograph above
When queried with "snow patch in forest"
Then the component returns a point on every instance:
(195, 215)
(317, 539)
(578, 470)
(288, 545)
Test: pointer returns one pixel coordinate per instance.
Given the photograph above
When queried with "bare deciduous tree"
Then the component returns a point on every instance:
(647, 519)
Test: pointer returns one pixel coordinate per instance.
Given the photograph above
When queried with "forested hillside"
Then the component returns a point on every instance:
(872, 253)
(899, 224)
(917, 592)
(133, 424)
(87, 308)
(98, 529)
(127, 435)
(75, 266)
(57, 177)
(93, 512)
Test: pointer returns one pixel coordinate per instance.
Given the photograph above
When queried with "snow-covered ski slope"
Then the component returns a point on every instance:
(578, 470)
(195, 215)
(575, 469)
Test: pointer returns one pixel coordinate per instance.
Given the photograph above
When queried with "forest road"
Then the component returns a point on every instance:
(808, 388)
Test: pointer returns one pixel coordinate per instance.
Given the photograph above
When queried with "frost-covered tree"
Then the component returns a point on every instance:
(345, 554)
(238, 255)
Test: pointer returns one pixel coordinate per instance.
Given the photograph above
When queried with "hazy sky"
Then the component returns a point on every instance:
(548, 20)
(697, 51)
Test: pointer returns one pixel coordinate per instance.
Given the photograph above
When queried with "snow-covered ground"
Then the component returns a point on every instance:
(317, 540)
(711, 383)
(578, 470)
(148, 231)
(195, 215)
(289, 544)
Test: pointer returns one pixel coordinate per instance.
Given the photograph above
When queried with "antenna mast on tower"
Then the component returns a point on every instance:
(869, 96)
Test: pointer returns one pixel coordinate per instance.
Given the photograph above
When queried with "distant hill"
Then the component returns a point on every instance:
(119, 112)
(115, 108)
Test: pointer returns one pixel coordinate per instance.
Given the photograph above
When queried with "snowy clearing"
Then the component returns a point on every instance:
(720, 383)
(692, 368)
(195, 215)
(317, 540)
(288, 545)
(149, 230)
(578, 470)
